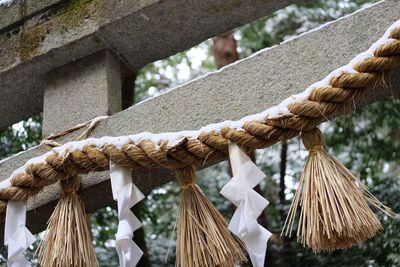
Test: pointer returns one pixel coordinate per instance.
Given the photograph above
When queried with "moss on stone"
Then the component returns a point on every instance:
(75, 13)
(225, 7)
(71, 15)
(31, 41)
(23, 7)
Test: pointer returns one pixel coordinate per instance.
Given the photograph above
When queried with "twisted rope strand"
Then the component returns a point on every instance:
(323, 103)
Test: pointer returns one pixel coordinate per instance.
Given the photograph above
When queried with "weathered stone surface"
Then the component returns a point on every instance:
(80, 91)
(139, 32)
(250, 86)
(17, 12)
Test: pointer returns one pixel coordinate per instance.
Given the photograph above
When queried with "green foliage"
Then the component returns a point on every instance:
(20, 136)
(292, 21)
(359, 134)
(158, 77)
(104, 226)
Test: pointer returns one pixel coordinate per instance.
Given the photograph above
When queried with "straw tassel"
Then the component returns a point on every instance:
(67, 241)
(334, 204)
(203, 236)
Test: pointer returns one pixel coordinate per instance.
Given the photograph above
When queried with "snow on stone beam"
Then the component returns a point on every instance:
(250, 86)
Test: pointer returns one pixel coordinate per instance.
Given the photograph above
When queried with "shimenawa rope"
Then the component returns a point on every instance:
(322, 105)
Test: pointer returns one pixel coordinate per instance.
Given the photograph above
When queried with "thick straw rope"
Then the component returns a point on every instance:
(322, 104)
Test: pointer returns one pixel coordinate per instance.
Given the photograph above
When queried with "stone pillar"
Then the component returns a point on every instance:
(81, 91)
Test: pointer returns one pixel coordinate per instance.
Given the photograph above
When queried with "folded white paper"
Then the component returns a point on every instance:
(127, 195)
(16, 236)
(239, 190)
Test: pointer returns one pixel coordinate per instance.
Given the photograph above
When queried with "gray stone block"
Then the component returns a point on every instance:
(81, 91)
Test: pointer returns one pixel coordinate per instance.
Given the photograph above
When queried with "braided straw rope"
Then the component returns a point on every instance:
(322, 104)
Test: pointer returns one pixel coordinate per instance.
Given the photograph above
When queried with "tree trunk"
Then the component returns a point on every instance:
(225, 49)
(282, 172)
(128, 90)
(140, 240)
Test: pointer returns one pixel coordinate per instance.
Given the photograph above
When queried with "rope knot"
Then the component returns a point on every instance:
(315, 149)
(312, 140)
(71, 184)
(186, 177)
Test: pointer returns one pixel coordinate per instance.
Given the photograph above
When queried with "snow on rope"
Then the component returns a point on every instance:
(328, 98)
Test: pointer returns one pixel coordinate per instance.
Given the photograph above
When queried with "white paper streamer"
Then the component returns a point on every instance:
(239, 190)
(16, 236)
(127, 195)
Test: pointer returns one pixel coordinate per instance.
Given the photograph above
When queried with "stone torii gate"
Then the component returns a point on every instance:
(74, 60)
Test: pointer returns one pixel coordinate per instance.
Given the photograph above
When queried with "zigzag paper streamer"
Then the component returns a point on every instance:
(127, 195)
(239, 190)
(16, 236)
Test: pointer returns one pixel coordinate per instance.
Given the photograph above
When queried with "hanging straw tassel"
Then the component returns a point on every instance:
(67, 241)
(335, 212)
(203, 236)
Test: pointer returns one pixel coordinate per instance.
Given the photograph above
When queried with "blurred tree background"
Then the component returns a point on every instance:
(367, 141)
